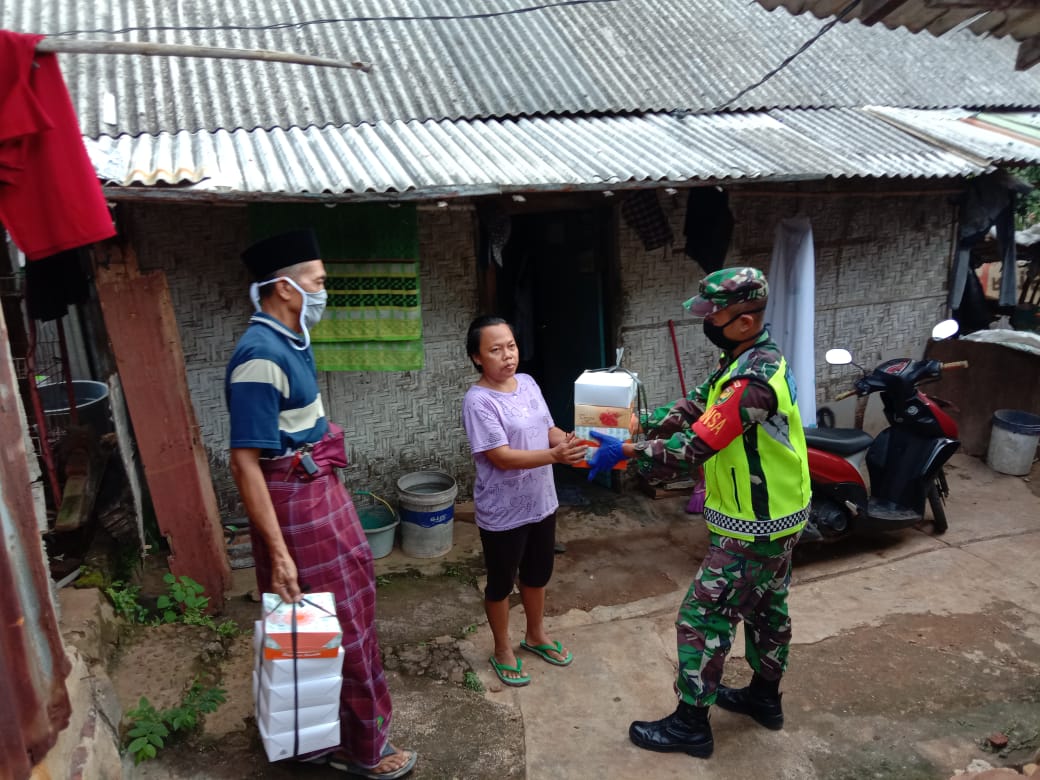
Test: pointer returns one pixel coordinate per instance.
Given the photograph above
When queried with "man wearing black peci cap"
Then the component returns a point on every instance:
(305, 532)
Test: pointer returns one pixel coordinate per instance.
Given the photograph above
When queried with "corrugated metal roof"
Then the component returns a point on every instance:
(479, 157)
(966, 132)
(1020, 21)
(607, 56)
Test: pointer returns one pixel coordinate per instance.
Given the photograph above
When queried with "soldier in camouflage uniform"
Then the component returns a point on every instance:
(743, 425)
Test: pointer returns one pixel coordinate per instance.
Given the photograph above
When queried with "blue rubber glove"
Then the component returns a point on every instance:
(606, 456)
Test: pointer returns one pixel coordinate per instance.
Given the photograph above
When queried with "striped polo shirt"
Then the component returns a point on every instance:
(272, 390)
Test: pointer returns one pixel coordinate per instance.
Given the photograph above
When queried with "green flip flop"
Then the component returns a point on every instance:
(542, 651)
(501, 669)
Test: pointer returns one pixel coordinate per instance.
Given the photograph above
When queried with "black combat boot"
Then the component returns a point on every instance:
(684, 731)
(760, 700)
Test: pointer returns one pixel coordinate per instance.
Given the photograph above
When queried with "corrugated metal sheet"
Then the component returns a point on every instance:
(479, 157)
(608, 56)
(1020, 23)
(964, 132)
(33, 666)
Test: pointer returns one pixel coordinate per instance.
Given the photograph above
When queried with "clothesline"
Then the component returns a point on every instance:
(58, 45)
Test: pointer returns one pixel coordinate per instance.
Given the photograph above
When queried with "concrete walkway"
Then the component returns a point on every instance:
(907, 654)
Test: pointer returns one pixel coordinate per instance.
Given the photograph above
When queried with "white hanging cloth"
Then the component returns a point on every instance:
(791, 311)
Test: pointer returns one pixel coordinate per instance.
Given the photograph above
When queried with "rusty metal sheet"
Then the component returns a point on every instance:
(33, 665)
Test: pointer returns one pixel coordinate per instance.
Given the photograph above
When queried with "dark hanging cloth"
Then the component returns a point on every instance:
(642, 212)
(709, 226)
(52, 283)
(496, 227)
(988, 202)
(973, 313)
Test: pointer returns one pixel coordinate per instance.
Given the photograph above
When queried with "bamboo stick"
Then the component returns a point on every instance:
(184, 50)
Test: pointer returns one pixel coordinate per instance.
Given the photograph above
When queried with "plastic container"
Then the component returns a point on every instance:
(91, 406)
(380, 521)
(1012, 442)
(427, 503)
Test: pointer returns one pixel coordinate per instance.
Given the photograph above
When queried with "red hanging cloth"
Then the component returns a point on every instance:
(50, 198)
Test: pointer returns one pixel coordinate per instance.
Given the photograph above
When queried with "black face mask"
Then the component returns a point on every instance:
(715, 334)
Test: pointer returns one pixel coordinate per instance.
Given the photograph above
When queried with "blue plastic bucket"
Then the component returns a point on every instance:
(379, 521)
(427, 503)
(1012, 442)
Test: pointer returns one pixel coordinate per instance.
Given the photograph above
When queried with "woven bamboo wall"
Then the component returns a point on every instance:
(881, 277)
(879, 295)
(395, 422)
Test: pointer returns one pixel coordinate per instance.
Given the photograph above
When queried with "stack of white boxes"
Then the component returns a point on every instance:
(604, 401)
(296, 695)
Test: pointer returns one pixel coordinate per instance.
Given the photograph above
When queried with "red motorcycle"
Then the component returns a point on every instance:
(905, 461)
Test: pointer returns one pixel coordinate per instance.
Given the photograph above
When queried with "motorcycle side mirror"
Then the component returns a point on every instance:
(838, 357)
(945, 329)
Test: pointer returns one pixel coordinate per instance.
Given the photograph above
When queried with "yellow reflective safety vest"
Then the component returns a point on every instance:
(757, 487)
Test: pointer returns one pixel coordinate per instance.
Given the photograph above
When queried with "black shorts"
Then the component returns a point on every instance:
(527, 550)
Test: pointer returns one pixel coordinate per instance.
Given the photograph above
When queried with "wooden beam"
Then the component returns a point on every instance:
(142, 328)
(78, 46)
(1028, 53)
(874, 11)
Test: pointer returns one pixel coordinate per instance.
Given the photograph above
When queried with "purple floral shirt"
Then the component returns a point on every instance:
(509, 498)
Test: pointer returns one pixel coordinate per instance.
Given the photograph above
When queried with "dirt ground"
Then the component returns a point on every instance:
(912, 693)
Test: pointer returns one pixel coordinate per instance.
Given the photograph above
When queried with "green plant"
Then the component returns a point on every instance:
(148, 732)
(471, 682)
(184, 602)
(228, 629)
(150, 728)
(1027, 206)
(461, 573)
(90, 577)
(470, 629)
(124, 601)
(451, 570)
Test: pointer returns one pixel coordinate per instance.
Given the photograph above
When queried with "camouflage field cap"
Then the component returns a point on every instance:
(723, 288)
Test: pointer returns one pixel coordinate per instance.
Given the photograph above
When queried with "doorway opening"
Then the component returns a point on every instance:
(555, 288)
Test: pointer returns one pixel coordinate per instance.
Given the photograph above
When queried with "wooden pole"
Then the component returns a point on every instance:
(58, 45)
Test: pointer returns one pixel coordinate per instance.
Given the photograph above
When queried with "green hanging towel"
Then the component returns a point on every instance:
(373, 319)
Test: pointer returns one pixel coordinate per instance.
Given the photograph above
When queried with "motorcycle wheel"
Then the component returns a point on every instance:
(937, 503)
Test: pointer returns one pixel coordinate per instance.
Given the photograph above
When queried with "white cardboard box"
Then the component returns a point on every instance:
(603, 388)
(306, 694)
(309, 717)
(279, 671)
(319, 737)
(309, 629)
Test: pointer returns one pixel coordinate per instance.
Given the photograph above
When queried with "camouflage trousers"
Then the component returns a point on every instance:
(737, 581)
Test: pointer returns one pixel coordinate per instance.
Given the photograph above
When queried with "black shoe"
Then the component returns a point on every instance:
(684, 731)
(763, 707)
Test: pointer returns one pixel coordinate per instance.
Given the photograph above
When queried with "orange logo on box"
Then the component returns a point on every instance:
(317, 629)
(307, 646)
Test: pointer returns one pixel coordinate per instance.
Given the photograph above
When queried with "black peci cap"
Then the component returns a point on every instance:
(265, 257)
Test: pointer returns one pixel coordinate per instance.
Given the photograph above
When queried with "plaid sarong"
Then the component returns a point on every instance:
(326, 541)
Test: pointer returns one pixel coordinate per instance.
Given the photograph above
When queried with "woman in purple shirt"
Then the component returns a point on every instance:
(514, 444)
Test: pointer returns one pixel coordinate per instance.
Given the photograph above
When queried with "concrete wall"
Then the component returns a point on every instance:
(881, 280)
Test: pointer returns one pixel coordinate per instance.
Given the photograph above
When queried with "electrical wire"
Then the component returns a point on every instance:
(822, 31)
(340, 20)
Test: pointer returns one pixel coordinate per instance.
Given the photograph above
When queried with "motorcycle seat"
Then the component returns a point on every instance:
(840, 441)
